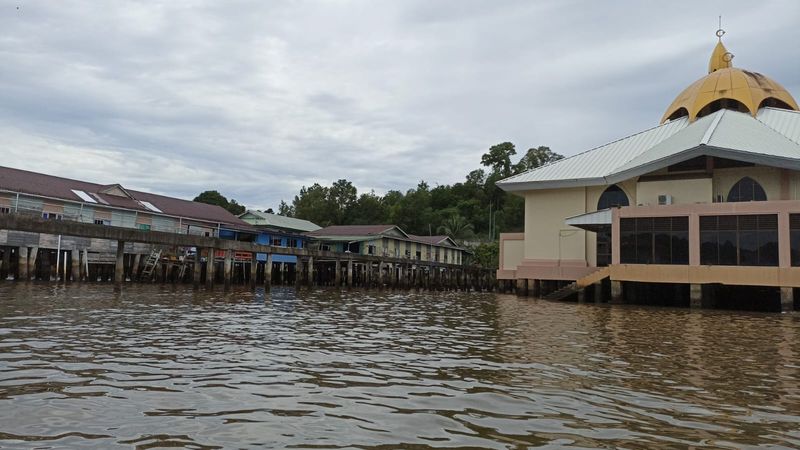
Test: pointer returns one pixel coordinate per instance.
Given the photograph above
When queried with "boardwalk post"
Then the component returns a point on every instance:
(299, 272)
(337, 276)
(349, 273)
(196, 267)
(210, 267)
(268, 272)
(310, 271)
(119, 266)
(22, 264)
(227, 268)
(76, 265)
(253, 269)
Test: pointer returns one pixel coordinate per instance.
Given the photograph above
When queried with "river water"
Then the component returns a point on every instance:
(159, 366)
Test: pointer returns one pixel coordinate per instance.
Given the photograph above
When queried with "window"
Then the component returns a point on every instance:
(277, 242)
(419, 255)
(371, 249)
(750, 240)
(747, 190)
(52, 216)
(145, 227)
(325, 247)
(5, 210)
(102, 222)
(293, 243)
(654, 240)
(611, 197)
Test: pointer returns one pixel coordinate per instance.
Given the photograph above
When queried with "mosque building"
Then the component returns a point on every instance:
(702, 210)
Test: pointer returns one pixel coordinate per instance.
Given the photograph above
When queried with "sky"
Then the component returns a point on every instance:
(258, 98)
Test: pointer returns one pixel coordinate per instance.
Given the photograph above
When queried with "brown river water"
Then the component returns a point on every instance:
(162, 366)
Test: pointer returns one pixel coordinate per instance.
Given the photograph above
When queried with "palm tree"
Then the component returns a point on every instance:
(456, 227)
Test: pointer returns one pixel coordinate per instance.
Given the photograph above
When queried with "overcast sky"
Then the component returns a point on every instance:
(258, 98)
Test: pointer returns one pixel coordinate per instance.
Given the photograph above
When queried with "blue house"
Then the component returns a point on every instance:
(280, 231)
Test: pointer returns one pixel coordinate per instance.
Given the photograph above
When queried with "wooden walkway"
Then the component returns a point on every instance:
(313, 267)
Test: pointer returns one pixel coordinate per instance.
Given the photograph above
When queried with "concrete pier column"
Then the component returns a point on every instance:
(787, 299)
(349, 273)
(227, 268)
(598, 292)
(337, 273)
(536, 287)
(135, 269)
(22, 264)
(522, 287)
(582, 295)
(299, 272)
(310, 271)
(210, 266)
(696, 295)
(197, 267)
(268, 272)
(32, 256)
(6, 266)
(76, 264)
(253, 269)
(616, 292)
(119, 265)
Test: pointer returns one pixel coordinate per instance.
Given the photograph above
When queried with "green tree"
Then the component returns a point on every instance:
(369, 210)
(456, 227)
(536, 157)
(284, 209)
(215, 198)
(499, 158)
(312, 204)
(342, 198)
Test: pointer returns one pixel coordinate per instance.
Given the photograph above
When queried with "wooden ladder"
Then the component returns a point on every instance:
(150, 265)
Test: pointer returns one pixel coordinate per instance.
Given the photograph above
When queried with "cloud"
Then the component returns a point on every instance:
(256, 99)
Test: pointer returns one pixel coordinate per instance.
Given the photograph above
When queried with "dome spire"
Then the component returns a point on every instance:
(721, 58)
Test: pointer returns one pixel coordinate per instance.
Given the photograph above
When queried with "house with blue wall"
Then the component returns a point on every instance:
(280, 231)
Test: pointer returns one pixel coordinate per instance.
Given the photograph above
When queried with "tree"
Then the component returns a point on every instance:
(536, 157)
(269, 211)
(312, 204)
(215, 198)
(285, 210)
(342, 197)
(499, 158)
(456, 227)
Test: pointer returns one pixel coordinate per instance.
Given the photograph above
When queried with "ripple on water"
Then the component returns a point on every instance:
(159, 366)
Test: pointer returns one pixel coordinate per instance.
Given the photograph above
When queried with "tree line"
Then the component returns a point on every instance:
(473, 211)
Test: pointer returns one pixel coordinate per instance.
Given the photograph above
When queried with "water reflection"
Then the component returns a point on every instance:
(158, 366)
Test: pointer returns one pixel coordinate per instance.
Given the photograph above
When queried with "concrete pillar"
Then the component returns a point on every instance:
(197, 267)
(135, 269)
(299, 272)
(22, 264)
(787, 299)
(696, 295)
(349, 273)
(119, 266)
(228, 268)
(4, 269)
(210, 266)
(33, 254)
(337, 275)
(616, 292)
(598, 292)
(76, 264)
(311, 271)
(535, 287)
(253, 269)
(268, 271)
(582, 296)
(522, 287)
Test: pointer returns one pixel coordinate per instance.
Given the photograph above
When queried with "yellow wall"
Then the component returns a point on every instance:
(546, 234)
(697, 190)
(768, 177)
(513, 252)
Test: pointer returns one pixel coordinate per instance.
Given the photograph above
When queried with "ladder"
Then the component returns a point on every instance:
(579, 284)
(183, 263)
(150, 265)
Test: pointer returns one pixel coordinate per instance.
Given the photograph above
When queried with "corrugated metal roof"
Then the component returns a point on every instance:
(278, 221)
(770, 139)
(354, 230)
(783, 121)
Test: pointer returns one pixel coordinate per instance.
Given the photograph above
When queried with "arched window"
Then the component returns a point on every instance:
(612, 196)
(747, 190)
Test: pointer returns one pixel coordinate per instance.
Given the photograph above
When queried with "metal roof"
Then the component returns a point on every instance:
(259, 218)
(772, 138)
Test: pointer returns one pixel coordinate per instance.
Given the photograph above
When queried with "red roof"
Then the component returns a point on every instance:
(34, 183)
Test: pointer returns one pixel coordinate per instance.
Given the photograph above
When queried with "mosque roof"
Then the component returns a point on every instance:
(726, 86)
(771, 138)
(730, 113)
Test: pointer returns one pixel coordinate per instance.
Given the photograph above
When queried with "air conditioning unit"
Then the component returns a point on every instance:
(664, 199)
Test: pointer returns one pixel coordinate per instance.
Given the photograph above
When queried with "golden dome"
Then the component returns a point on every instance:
(728, 87)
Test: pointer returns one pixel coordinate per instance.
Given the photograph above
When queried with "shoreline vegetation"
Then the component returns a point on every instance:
(472, 212)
